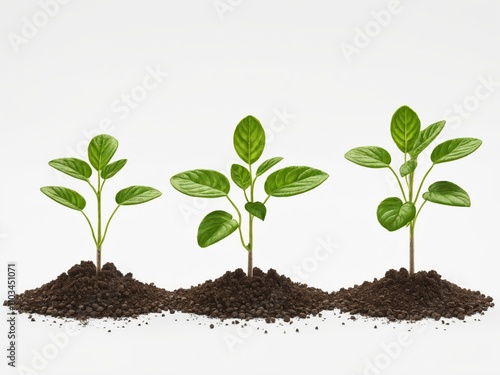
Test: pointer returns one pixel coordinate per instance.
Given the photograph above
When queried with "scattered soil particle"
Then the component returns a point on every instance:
(80, 294)
(399, 296)
(269, 296)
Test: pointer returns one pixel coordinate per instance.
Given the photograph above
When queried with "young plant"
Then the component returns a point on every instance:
(394, 213)
(100, 151)
(249, 140)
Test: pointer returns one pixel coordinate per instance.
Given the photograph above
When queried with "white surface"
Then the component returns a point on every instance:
(264, 59)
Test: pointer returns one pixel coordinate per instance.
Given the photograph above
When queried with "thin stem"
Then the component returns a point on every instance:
(246, 196)
(239, 222)
(412, 247)
(99, 213)
(265, 200)
(107, 224)
(422, 182)
(91, 227)
(250, 227)
(399, 182)
(420, 209)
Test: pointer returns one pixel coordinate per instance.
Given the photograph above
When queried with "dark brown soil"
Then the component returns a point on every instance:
(399, 296)
(267, 295)
(80, 294)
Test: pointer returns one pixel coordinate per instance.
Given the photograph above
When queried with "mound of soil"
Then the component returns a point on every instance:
(266, 295)
(399, 296)
(79, 293)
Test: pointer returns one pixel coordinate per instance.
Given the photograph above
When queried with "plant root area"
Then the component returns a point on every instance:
(399, 296)
(80, 294)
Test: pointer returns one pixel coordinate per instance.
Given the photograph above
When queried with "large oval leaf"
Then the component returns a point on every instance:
(249, 139)
(136, 195)
(369, 156)
(426, 137)
(293, 180)
(101, 149)
(408, 167)
(73, 167)
(393, 214)
(405, 128)
(447, 193)
(65, 196)
(203, 183)
(454, 149)
(241, 176)
(111, 169)
(268, 164)
(214, 227)
(257, 209)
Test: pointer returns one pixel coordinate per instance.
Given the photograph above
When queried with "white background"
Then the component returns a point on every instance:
(64, 80)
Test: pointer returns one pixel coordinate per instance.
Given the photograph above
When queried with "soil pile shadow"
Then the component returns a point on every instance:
(399, 296)
(80, 294)
(266, 295)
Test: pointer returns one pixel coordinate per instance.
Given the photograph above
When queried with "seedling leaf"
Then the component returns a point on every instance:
(405, 128)
(203, 183)
(249, 139)
(73, 167)
(111, 169)
(214, 227)
(65, 196)
(241, 176)
(408, 167)
(257, 209)
(447, 193)
(426, 137)
(136, 195)
(268, 164)
(454, 149)
(369, 156)
(393, 214)
(101, 149)
(294, 180)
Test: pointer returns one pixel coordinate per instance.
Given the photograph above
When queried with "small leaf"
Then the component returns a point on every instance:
(408, 167)
(73, 167)
(136, 195)
(241, 176)
(405, 128)
(214, 227)
(447, 193)
(65, 196)
(203, 183)
(293, 180)
(268, 164)
(111, 169)
(257, 209)
(369, 156)
(249, 139)
(426, 137)
(101, 149)
(393, 214)
(454, 149)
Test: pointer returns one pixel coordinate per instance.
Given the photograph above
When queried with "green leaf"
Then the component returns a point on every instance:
(111, 169)
(293, 180)
(426, 137)
(73, 167)
(249, 139)
(454, 149)
(101, 149)
(405, 128)
(203, 183)
(268, 164)
(369, 156)
(393, 214)
(65, 196)
(136, 195)
(214, 227)
(241, 176)
(408, 167)
(447, 193)
(257, 209)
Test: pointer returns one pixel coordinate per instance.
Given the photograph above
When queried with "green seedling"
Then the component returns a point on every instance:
(249, 140)
(100, 151)
(394, 213)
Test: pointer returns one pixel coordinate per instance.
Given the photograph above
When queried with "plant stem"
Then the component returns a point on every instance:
(412, 247)
(399, 182)
(99, 224)
(107, 224)
(250, 228)
(239, 222)
(422, 183)
(91, 227)
(98, 260)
